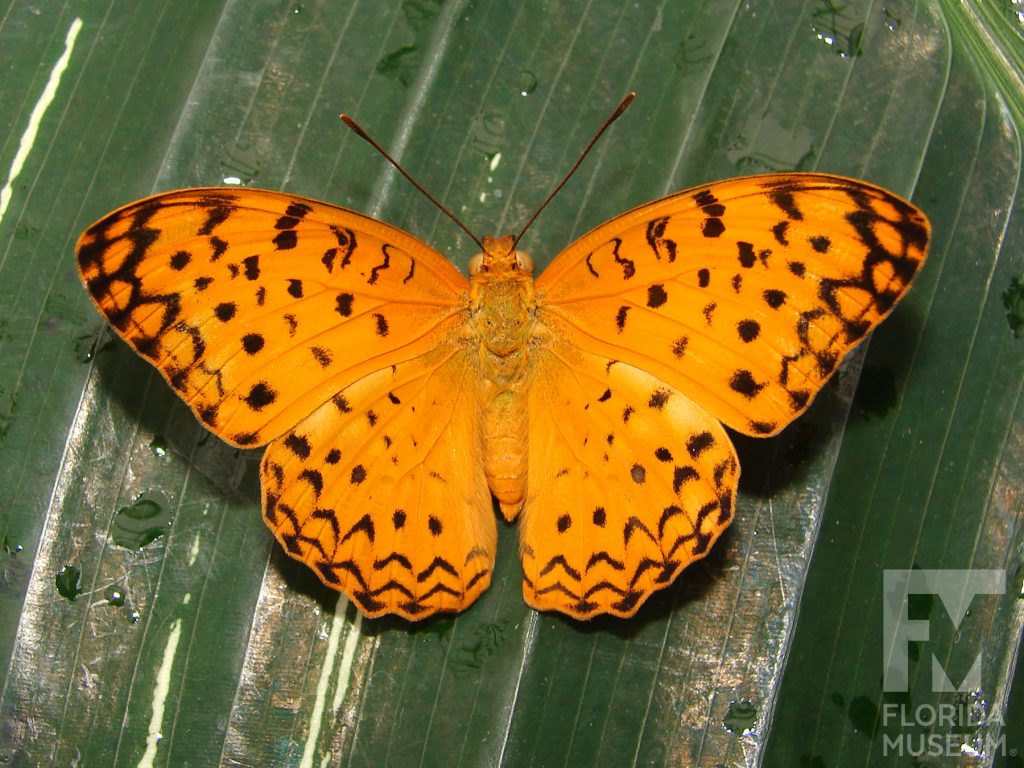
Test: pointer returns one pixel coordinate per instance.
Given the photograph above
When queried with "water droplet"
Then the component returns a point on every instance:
(836, 28)
(134, 616)
(158, 446)
(141, 523)
(876, 393)
(87, 345)
(483, 643)
(1013, 301)
(690, 52)
(526, 83)
(892, 20)
(863, 714)
(401, 64)
(25, 231)
(67, 581)
(767, 144)
(10, 547)
(741, 718)
(240, 163)
(114, 596)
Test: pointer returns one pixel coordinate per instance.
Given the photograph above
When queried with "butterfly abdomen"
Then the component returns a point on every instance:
(503, 308)
(505, 446)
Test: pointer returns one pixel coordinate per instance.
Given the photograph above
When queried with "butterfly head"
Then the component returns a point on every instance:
(500, 259)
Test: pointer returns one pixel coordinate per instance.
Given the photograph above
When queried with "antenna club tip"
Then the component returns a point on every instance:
(626, 101)
(354, 126)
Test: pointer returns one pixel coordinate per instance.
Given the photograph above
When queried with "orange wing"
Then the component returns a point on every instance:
(258, 306)
(629, 482)
(381, 491)
(336, 338)
(732, 302)
(743, 294)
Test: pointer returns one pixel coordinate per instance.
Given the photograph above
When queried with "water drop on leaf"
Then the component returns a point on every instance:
(141, 523)
(67, 581)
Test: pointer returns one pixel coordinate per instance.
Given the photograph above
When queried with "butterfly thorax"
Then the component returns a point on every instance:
(502, 307)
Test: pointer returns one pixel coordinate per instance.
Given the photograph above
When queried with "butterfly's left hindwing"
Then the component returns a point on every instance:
(629, 482)
(258, 306)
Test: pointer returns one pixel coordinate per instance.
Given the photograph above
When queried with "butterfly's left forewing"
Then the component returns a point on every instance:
(732, 302)
(744, 294)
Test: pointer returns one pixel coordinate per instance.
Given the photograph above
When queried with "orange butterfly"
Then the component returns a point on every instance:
(395, 396)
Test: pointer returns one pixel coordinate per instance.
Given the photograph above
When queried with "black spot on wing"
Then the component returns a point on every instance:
(628, 267)
(743, 382)
(252, 343)
(698, 443)
(251, 265)
(298, 445)
(385, 264)
(286, 240)
(344, 304)
(747, 256)
(656, 296)
(225, 311)
(620, 317)
(260, 396)
(748, 330)
(779, 231)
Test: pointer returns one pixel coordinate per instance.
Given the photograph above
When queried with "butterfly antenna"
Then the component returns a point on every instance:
(604, 127)
(366, 137)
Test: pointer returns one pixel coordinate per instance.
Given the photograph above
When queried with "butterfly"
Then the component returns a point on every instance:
(395, 396)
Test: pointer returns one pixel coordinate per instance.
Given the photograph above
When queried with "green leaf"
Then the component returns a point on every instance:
(208, 646)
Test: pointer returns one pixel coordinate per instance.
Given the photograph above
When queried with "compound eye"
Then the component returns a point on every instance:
(524, 262)
(476, 264)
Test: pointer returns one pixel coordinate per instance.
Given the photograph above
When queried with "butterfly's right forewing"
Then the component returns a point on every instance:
(258, 306)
